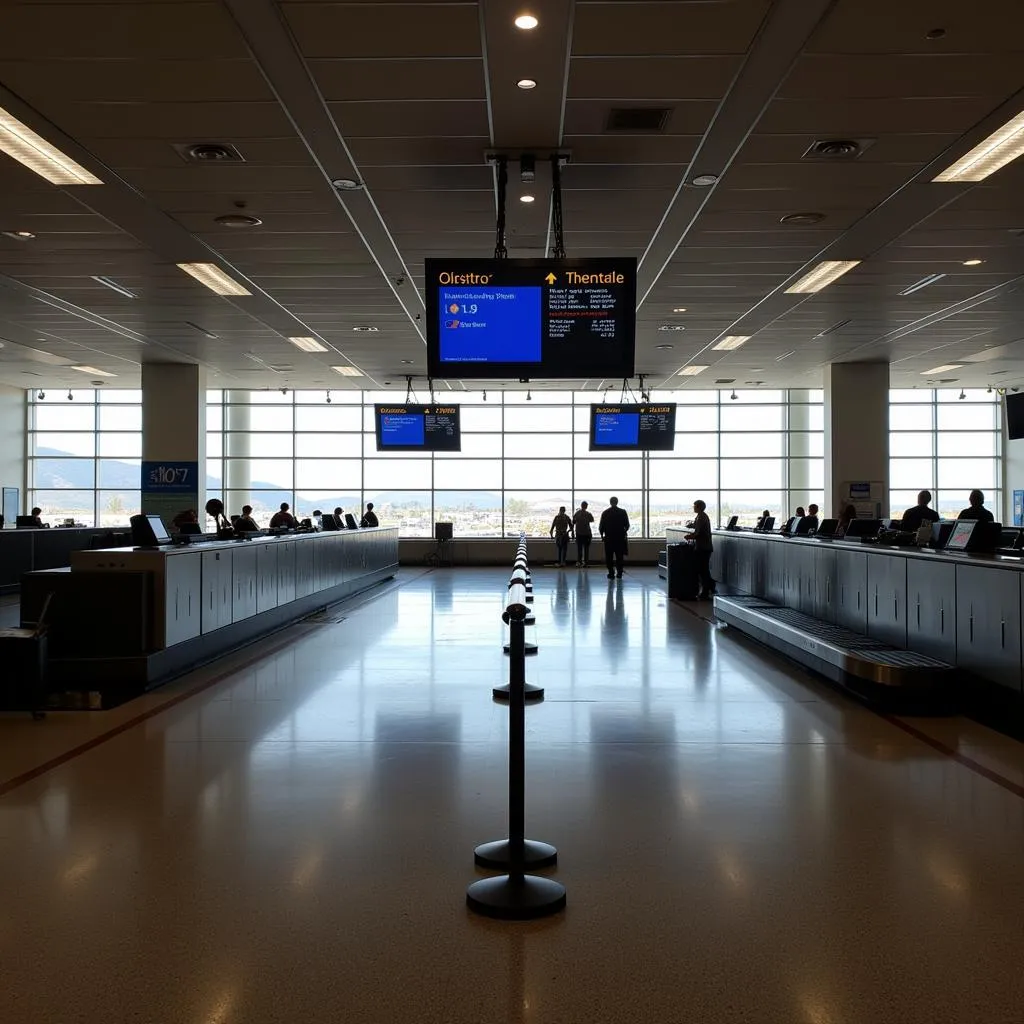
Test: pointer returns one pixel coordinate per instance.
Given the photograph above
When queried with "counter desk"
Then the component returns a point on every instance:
(137, 616)
(23, 551)
(962, 609)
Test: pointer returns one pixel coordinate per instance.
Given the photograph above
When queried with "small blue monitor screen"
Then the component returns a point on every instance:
(627, 428)
(418, 428)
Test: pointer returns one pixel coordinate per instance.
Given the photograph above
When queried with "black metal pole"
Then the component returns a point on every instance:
(517, 748)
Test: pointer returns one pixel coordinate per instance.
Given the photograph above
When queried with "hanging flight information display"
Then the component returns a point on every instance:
(417, 428)
(530, 319)
(629, 428)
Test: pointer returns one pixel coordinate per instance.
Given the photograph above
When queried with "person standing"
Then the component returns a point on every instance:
(976, 509)
(561, 528)
(916, 517)
(702, 549)
(582, 522)
(369, 516)
(613, 527)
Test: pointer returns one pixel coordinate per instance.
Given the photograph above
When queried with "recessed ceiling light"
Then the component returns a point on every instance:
(366, 329)
(114, 286)
(20, 236)
(526, 198)
(671, 327)
(214, 278)
(731, 341)
(802, 218)
(821, 276)
(664, 348)
(1002, 146)
(691, 371)
(679, 309)
(923, 283)
(18, 141)
(347, 371)
(973, 263)
(704, 180)
(237, 220)
(93, 371)
(407, 362)
(347, 184)
(526, 22)
(526, 83)
(308, 344)
(942, 369)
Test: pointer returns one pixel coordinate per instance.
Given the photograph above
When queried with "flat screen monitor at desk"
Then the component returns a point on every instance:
(25, 522)
(733, 520)
(790, 525)
(767, 524)
(350, 521)
(148, 531)
(827, 528)
(803, 527)
(330, 522)
(960, 538)
(863, 527)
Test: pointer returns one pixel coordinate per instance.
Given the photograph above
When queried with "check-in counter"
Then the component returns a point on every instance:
(23, 551)
(963, 609)
(205, 599)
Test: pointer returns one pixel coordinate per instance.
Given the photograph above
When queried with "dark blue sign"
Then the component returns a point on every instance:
(170, 477)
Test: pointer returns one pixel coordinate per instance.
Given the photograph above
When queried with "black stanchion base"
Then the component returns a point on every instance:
(519, 898)
(497, 855)
(532, 693)
(530, 648)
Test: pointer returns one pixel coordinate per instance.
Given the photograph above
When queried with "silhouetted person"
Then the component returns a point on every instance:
(702, 549)
(800, 513)
(283, 518)
(369, 516)
(37, 523)
(762, 519)
(582, 523)
(214, 508)
(245, 522)
(613, 527)
(848, 516)
(976, 509)
(916, 517)
(561, 527)
(185, 518)
(812, 517)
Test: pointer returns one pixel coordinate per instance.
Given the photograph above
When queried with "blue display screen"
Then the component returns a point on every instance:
(490, 324)
(616, 429)
(402, 430)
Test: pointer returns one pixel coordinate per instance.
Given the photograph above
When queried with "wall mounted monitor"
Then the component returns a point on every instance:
(629, 428)
(1015, 417)
(417, 428)
(530, 319)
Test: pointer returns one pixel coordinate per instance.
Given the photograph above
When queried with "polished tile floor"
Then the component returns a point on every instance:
(288, 835)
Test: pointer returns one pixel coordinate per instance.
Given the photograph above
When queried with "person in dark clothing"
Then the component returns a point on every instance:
(916, 517)
(561, 528)
(245, 522)
(702, 549)
(369, 516)
(848, 516)
(613, 527)
(582, 522)
(283, 518)
(976, 509)
(812, 519)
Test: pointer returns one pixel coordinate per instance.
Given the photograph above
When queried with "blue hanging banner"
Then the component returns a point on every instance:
(1018, 508)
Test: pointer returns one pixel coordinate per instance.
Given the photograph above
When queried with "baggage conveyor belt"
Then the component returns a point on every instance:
(863, 664)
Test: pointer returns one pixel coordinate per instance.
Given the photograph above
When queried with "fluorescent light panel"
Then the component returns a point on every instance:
(731, 341)
(691, 371)
(93, 371)
(214, 278)
(1002, 146)
(114, 286)
(923, 283)
(308, 344)
(20, 143)
(347, 371)
(821, 276)
(941, 369)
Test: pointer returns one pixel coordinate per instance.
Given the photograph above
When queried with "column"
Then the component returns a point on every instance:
(237, 450)
(857, 438)
(173, 439)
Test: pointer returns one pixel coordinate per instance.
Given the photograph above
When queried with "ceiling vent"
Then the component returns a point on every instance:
(726, 380)
(637, 119)
(837, 149)
(208, 153)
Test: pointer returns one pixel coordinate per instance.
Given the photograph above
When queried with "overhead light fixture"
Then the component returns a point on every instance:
(962, 395)
(691, 371)
(210, 275)
(821, 276)
(365, 329)
(18, 141)
(973, 263)
(704, 180)
(529, 396)
(679, 309)
(347, 371)
(526, 83)
(526, 22)
(941, 369)
(93, 371)
(308, 344)
(734, 396)
(778, 359)
(114, 286)
(347, 184)
(664, 348)
(923, 283)
(1002, 146)
(731, 341)
(71, 397)
(237, 220)
(671, 327)
(831, 330)
(20, 236)
(526, 198)
(802, 219)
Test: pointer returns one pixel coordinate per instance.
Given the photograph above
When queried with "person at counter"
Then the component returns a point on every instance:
(916, 517)
(976, 509)
(339, 516)
(848, 516)
(214, 508)
(37, 523)
(761, 519)
(369, 516)
(184, 518)
(812, 519)
(283, 518)
(245, 522)
(799, 513)
(702, 549)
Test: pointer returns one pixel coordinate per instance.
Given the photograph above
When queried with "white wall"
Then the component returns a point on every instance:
(13, 440)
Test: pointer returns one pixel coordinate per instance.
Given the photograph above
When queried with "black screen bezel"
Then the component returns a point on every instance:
(632, 407)
(412, 406)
